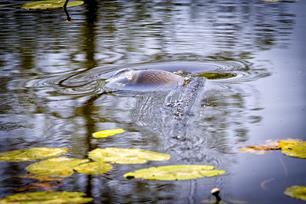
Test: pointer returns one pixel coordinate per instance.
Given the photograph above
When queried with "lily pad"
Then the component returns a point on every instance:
(293, 148)
(31, 154)
(46, 197)
(93, 168)
(126, 156)
(261, 149)
(175, 172)
(298, 192)
(290, 147)
(61, 166)
(50, 4)
(216, 75)
(107, 133)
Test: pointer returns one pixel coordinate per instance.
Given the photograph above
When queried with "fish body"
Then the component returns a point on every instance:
(144, 80)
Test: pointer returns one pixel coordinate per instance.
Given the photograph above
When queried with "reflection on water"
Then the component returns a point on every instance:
(117, 32)
(53, 72)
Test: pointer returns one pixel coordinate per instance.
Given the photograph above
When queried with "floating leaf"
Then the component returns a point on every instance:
(216, 75)
(126, 156)
(93, 168)
(293, 148)
(46, 197)
(290, 147)
(61, 166)
(50, 4)
(31, 154)
(260, 149)
(107, 133)
(298, 192)
(175, 172)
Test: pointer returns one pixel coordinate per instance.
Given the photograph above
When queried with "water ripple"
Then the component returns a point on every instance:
(92, 81)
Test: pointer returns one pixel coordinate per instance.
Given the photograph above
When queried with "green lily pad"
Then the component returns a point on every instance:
(216, 75)
(298, 192)
(293, 148)
(61, 166)
(126, 156)
(31, 154)
(107, 133)
(175, 172)
(46, 197)
(50, 4)
(93, 168)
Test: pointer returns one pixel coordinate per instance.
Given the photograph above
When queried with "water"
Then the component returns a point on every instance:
(52, 74)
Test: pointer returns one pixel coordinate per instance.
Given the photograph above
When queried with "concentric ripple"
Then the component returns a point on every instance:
(92, 81)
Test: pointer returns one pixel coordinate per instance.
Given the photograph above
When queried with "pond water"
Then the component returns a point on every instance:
(52, 76)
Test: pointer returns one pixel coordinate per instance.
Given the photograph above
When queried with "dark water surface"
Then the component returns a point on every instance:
(52, 72)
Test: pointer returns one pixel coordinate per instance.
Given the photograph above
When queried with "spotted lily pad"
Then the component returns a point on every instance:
(31, 154)
(175, 172)
(46, 197)
(50, 4)
(61, 166)
(298, 192)
(293, 148)
(93, 168)
(107, 133)
(126, 156)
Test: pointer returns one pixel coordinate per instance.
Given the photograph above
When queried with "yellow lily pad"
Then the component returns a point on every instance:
(46, 197)
(61, 166)
(298, 192)
(175, 172)
(293, 148)
(50, 4)
(93, 168)
(126, 156)
(107, 133)
(31, 154)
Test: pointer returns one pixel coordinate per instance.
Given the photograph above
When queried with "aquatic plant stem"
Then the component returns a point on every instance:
(66, 11)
